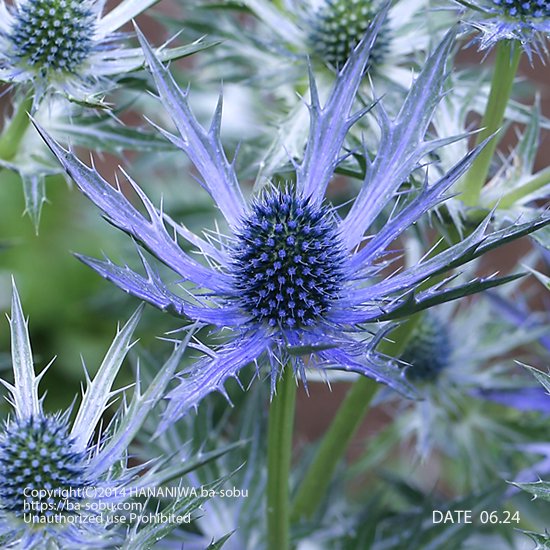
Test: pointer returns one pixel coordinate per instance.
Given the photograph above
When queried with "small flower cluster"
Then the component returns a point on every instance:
(53, 36)
(39, 453)
(338, 27)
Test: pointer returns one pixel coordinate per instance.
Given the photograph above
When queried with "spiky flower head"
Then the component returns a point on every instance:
(428, 351)
(288, 261)
(69, 46)
(339, 25)
(36, 454)
(57, 477)
(523, 10)
(292, 279)
(460, 362)
(527, 21)
(53, 35)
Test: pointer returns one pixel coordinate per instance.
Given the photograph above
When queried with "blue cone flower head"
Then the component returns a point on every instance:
(68, 46)
(56, 475)
(455, 358)
(527, 21)
(459, 358)
(293, 282)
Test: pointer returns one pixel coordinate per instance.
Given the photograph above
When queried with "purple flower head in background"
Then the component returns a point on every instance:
(294, 283)
(527, 21)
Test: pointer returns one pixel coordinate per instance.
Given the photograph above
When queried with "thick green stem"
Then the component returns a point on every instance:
(506, 66)
(13, 134)
(281, 424)
(346, 422)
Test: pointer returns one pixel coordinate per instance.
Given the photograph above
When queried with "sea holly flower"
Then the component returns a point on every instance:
(337, 26)
(69, 46)
(459, 359)
(293, 279)
(285, 36)
(61, 484)
(327, 31)
(526, 21)
(429, 349)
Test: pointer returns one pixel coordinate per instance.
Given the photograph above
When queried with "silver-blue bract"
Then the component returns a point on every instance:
(294, 279)
(61, 484)
(68, 46)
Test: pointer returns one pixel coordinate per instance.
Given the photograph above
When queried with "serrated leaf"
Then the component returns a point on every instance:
(25, 389)
(539, 489)
(171, 473)
(98, 391)
(425, 300)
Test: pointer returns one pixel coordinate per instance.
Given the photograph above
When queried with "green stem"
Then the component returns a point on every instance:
(13, 134)
(537, 181)
(279, 454)
(346, 422)
(506, 66)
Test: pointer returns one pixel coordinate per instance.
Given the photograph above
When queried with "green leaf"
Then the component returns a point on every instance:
(171, 54)
(34, 191)
(168, 474)
(414, 303)
(220, 542)
(106, 136)
(539, 489)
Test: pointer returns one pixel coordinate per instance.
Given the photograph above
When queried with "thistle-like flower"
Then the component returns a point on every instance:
(292, 279)
(457, 358)
(67, 46)
(329, 30)
(526, 21)
(61, 485)
(339, 25)
(429, 349)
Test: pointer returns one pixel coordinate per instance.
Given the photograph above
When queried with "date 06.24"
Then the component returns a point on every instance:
(468, 516)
